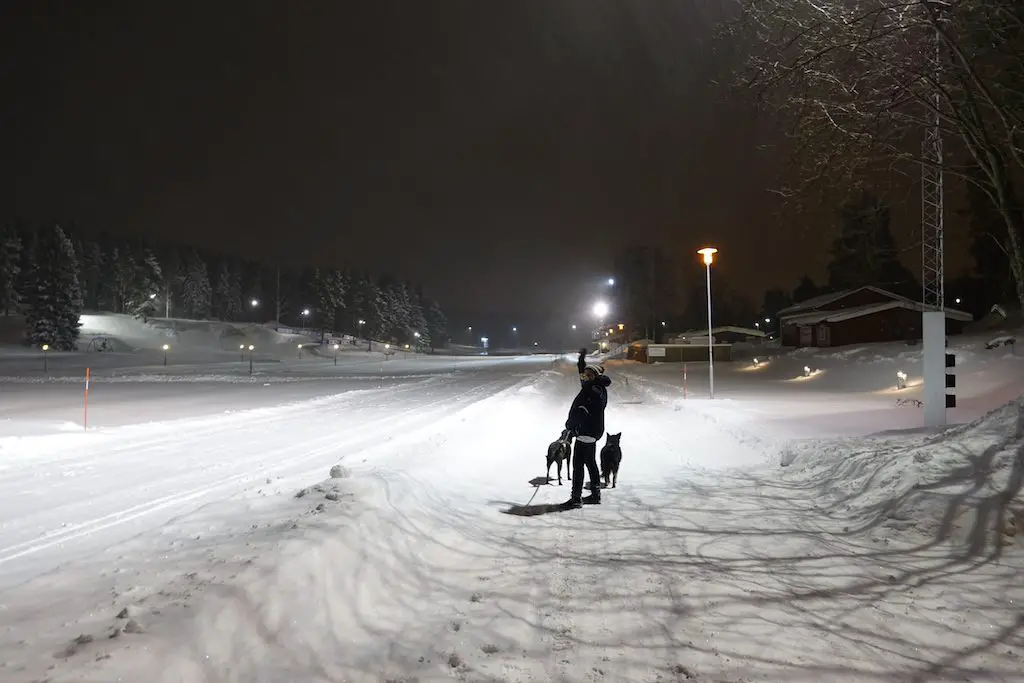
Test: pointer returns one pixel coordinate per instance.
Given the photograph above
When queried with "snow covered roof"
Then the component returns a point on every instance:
(826, 299)
(815, 317)
(724, 328)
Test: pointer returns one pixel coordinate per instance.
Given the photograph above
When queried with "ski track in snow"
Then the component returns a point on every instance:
(702, 565)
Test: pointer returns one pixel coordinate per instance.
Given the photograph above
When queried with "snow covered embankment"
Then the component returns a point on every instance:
(963, 485)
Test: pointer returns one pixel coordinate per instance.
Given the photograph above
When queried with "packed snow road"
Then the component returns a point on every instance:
(429, 564)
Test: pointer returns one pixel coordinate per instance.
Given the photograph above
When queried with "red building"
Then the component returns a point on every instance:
(858, 316)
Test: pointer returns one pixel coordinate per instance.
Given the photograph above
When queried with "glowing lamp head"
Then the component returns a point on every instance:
(416, 334)
(387, 346)
(166, 347)
(406, 346)
(305, 311)
(241, 346)
(611, 282)
(335, 347)
(251, 347)
(901, 375)
(255, 302)
(600, 309)
(709, 254)
(152, 296)
(46, 347)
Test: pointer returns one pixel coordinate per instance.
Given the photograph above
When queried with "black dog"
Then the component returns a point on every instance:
(557, 452)
(611, 458)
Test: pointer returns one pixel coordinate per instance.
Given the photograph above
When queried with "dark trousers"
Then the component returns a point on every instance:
(585, 455)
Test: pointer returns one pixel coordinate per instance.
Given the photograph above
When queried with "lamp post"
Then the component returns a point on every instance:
(166, 347)
(45, 348)
(305, 314)
(299, 350)
(251, 349)
(241, 352)
(335, 354)
(709, 256)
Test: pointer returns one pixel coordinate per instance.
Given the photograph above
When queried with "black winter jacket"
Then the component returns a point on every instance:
(586, 416)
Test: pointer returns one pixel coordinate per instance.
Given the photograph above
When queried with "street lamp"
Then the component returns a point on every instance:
(45, 348)
(254, 303)
(305, 314)
(335, 354)
(601, 310)
(709, 256)
(574, 326)
(611, 282)
(299, 347)
(251, 349)
(166, 347)
(241, 352)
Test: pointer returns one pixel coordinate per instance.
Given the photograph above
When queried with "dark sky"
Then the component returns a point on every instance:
(499, 152)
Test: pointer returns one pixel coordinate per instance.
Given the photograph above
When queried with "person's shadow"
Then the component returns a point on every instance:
(539, 509)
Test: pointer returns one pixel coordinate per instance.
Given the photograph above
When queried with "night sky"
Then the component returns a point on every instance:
(498, 152)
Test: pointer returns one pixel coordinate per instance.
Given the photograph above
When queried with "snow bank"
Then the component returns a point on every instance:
(962, 485)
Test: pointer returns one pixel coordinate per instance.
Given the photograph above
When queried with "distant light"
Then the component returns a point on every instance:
(574, 327)
(241, 346)
(299, 345)
(663, 323)
(515, 329)
(622, 326)
(406, 346)
(756, 362)
(362, 322)
(152, 296)
(767, 320)
(255, 302)
(335, 347)
(387, 346)
(470, 328)
(416, 334)
(484, 340)
(600, 309)
(611, 282)
(536, 343)
(807, 371)
(251, 347)
(166, 347)
(757, 325)
(957, 300)
(305, 311)
(708, 253)
(46, 347)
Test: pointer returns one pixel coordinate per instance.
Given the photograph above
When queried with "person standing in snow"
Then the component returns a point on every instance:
(586, 422)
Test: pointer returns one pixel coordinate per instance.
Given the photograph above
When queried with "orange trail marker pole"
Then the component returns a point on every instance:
(85, 419)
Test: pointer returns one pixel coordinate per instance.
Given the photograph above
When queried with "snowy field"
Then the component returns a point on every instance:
(793, 529)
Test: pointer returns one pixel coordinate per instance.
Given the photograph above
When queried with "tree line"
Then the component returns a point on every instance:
(51, 274)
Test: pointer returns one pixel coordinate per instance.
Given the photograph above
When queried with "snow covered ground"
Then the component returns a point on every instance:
(794, 529)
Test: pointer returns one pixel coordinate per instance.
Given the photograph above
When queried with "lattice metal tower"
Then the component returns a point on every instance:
(933, 275)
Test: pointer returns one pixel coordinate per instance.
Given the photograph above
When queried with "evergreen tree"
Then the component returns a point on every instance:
(196, 291)
(805, 289)
(53, 298)
(10, 270)
(436, 325)
(865, 252)
(93, 263)
(228, 293)
(148, 282)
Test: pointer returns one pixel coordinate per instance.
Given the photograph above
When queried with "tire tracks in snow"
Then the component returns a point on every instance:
(300, 455)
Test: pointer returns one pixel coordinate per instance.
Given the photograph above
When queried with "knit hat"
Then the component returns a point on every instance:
(594, 368)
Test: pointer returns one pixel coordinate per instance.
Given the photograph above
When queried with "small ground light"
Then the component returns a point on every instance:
(335, 354)
(901, 379)
(166, 347)
(45, 347)
(756, 362)
(807, 371)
